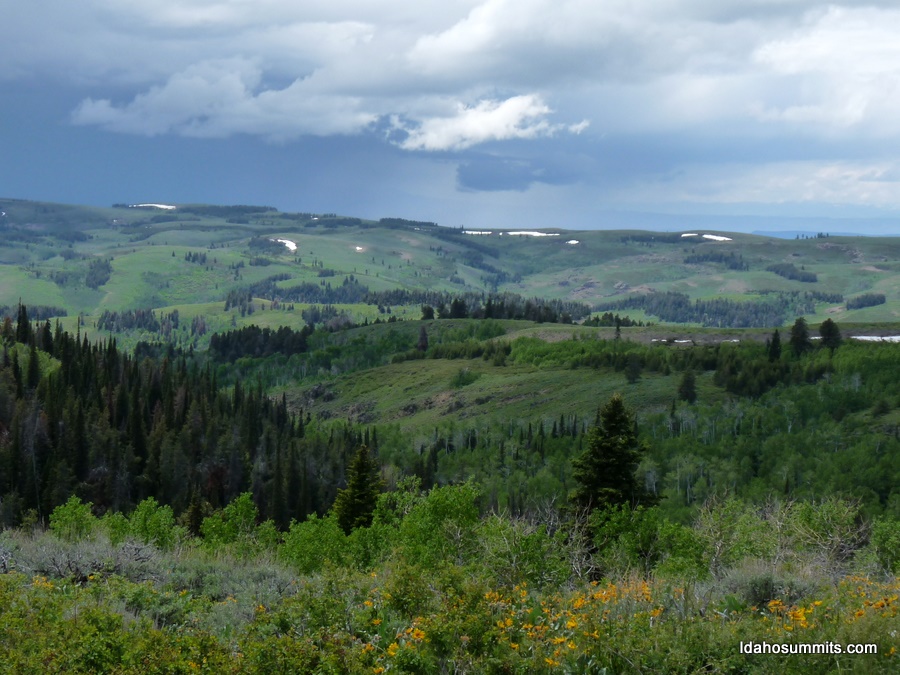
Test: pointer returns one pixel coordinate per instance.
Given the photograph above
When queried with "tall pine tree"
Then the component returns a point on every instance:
(605, 471)
(355, 504)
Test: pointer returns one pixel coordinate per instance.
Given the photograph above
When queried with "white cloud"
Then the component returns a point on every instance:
(694, 73)
(517, 117)
(846, 65)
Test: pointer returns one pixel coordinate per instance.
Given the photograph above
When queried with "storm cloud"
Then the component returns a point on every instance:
(687, 85)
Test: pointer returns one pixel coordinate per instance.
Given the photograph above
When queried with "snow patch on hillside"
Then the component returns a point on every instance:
(287, 242)
(166, 207)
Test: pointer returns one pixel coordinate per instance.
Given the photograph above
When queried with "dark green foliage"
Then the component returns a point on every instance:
(355, 504)
(789, 271)
(610, 319)
(422, 344)
(731, 260)
(866, 300)
(458, 306)
(774, 348)
(633, 368)
(687, 388)
(799, 340)
(677, 307)
(259, 342)
(605, 471)
(114, 429)
(99, 272)
(132, 319)
(831, 335)
(34, 313)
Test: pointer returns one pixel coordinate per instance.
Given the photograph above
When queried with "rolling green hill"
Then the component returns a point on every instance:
(189, 258)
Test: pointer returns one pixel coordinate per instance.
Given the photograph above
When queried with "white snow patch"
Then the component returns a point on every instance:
(877, 338)
(167, 207)
(690, 234)
(287, 242)
(531, 233)
(573, 242)
(716, 237)
(475, 232)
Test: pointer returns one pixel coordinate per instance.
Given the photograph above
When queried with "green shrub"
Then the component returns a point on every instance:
(441, 526)
(310, 545)
(154, 524)
(73, 521)
(885, 543)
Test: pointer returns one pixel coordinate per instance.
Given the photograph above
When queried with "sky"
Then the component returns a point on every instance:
(735, 114)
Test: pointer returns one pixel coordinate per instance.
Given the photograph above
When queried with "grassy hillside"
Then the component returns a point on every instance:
(195, 255)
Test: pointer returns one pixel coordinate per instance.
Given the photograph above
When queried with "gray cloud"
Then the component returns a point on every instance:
(448, 77)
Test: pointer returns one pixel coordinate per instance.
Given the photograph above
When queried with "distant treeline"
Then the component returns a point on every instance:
(790, 271)
(403, 224)
(130, 319)
(351, 291)
(226, 211)
(146, 319)
(35, 312)
(866, 300)
(653, 238)
(720, 312)
(609, 319)
(730, 260)
(257, 342)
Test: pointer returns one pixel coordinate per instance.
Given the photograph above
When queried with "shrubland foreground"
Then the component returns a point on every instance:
(432, 585)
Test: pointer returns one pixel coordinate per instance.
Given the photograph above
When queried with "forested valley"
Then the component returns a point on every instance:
(172, 510)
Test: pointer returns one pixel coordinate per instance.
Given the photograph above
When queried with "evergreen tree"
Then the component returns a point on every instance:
(422, 344)
(355, 504)
(34, 368)
(605, 471)
(687, 390)
(831, 335)
(774, 350)
(633, 368)
(799, 341)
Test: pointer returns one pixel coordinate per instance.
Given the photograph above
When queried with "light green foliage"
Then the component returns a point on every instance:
(731, 531)
(830, 528)
(885, 542)
(439, 528)
(314, 543)
(236, 525)
(517, 552)
(73, 521)
(117, 527)
(463, 377)
(642, 539)
(154, 524)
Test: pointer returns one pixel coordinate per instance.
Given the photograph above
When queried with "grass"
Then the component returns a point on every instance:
(603, 266)
(425, 394)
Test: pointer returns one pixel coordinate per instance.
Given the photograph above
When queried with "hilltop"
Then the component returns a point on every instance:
(188, 258)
